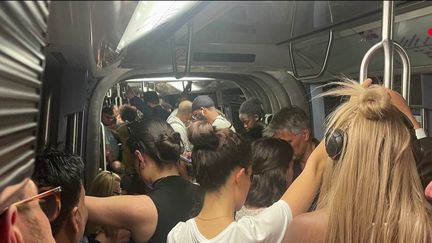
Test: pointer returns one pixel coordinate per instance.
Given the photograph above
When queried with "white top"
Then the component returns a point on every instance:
(244, 211)
(180, 127)
(268, 226)
(221, 122)
(420, 133)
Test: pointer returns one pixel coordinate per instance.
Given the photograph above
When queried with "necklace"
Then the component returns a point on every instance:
(208, 219)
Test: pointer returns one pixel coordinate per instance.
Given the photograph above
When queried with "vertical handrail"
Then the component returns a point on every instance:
(387, 42)
(103, 147)
(406, 72)
(188, 54)
(189, 49)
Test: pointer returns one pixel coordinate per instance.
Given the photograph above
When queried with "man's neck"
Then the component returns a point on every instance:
(63, 236)
(211, 117)
(309, 149)
(182, 117)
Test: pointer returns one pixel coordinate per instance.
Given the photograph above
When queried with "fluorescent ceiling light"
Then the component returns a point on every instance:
(179, 86)
(148, 15)
(168, 79)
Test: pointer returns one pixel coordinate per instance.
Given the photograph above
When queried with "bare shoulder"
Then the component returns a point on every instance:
(308, 227)
(145, 216)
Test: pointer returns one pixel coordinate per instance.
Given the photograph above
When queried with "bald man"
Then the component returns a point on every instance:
(180, 119)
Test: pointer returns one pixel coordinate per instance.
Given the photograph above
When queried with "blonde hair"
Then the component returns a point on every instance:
(373, 192)
(103, 185)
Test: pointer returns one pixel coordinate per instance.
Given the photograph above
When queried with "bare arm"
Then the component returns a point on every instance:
(135, 213)
(300, 194)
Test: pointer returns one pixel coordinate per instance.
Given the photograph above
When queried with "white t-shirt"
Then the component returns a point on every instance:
(180, 127)
(221, 122)
(268, 226)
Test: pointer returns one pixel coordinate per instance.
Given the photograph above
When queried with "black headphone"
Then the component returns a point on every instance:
(335, 141)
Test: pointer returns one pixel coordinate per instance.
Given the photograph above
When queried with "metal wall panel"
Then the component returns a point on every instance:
(23, 28)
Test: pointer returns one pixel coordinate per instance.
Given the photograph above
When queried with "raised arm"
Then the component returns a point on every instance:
(300, 194)
(138, 214)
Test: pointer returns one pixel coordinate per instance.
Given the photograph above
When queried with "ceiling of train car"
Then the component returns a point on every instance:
(259, 29)
(78, 27)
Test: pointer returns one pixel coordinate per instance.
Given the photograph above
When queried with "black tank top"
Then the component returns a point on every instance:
(176, 200)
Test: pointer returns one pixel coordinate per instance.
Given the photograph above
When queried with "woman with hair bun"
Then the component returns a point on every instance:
(372, 192)
(222, 166)
(156, 148)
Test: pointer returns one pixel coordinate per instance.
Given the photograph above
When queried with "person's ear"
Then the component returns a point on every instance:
(255, 117)
(239, 174)
(8, 228)
(306, 134)
(140, 158)
(75, 219)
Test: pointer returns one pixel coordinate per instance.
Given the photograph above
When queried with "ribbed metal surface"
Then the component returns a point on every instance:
(23, 27)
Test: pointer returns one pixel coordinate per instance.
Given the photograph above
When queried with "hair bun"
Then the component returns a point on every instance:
(203, 136)
(374, 103)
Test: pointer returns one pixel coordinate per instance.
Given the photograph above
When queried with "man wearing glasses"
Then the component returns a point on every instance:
(203, 108)
(54, 169)
(27, 218)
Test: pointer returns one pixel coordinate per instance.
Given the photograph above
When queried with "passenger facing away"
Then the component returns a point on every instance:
(251, 114)
(272, 174)
(108, 119)
(22, 219)
(128, 114)
(53, 169)
(372, 193)
(292, 125)
(157, 149)
(221, 160)
(150, 106)
(203, 108)
(179, 120)
(106, 184)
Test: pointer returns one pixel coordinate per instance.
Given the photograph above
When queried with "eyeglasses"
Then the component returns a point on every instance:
(49, 201)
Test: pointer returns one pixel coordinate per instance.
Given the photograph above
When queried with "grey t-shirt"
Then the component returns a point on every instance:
(221, 122)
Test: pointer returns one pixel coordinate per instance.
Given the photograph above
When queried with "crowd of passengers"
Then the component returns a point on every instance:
(187, 176)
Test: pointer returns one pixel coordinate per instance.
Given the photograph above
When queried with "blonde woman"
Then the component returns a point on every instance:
(372, 193)
(106, 184)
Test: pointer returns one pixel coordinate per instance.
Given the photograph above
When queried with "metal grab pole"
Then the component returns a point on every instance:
(189, 49)
(366, 60)
(294, 72)
(188, 55)
(103, 147)
(387, 42)
(406, 65)
(406, 72)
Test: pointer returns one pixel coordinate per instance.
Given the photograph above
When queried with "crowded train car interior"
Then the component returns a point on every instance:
(62, 62)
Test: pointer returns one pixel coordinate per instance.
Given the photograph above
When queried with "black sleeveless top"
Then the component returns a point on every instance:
(176, 199)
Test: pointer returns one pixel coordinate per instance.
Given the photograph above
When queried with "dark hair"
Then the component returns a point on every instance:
(157, 139)
(128, 113)
(108, 110)
(215, 154)
(271, 158)
(293, 119)
(151, 96)
(251, 107)
(54, 168)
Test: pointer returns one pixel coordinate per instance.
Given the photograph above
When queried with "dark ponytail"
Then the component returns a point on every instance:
(157, 139)
(216, 153)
